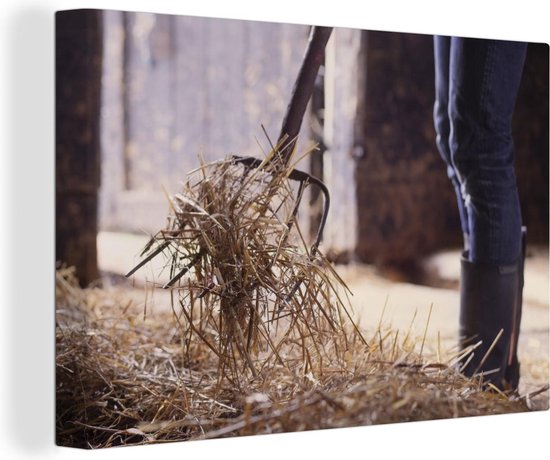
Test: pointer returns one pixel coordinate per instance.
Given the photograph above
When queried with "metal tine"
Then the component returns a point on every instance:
(156, 252)
(147, 246)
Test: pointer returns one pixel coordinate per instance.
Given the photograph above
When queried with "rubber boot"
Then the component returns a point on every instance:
(490, 302)
(511, 374)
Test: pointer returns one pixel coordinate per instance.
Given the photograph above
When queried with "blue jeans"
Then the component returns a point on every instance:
(476, 84)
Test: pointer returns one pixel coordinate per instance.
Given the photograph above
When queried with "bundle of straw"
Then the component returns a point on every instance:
(123, 379)
(245, 282)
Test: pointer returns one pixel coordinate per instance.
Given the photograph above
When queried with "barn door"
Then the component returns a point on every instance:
(176, 87)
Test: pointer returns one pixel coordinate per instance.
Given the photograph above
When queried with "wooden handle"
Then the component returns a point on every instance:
(303, 88)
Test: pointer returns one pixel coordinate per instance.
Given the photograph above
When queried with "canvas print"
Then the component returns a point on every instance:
(266, 228)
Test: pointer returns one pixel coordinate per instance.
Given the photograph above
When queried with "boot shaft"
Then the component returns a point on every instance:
(490, 313)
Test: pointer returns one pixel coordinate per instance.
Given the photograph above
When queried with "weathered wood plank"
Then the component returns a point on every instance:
(78, 48)
(191, 86)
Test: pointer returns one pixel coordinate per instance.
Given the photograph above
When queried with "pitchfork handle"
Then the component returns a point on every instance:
(303, 89)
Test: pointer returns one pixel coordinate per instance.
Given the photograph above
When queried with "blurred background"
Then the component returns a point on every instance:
(157, 91)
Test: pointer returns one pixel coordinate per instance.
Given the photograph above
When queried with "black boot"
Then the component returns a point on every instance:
(511, 375)
(490, 301)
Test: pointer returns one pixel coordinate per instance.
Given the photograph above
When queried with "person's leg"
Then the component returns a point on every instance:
(442, 50)
(484, 79)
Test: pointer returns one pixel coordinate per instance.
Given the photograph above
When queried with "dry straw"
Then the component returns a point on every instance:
(259, 340)
(245, 282)
(124, 379)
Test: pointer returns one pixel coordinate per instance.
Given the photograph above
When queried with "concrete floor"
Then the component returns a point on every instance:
(379, 297)
(387, 299)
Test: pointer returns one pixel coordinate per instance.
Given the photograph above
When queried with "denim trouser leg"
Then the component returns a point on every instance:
(442, 48)
(484, 77)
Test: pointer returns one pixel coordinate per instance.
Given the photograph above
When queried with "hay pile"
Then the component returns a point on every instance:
(259, 340)
(122, 379)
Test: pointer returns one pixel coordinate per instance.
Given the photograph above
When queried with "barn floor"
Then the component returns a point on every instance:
(388, 298)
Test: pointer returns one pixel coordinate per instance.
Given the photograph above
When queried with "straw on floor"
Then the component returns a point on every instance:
(124, 379)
